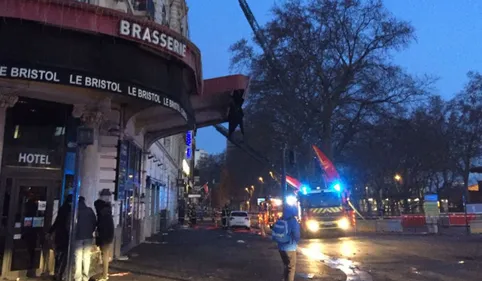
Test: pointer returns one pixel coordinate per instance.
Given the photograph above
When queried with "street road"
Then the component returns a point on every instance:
(212, 254)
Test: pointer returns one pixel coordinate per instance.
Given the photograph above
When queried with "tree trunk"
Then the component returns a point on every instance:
(326, 134)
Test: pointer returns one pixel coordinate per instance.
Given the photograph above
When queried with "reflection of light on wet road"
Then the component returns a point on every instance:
(120, 274)
(314, 251)
(347, 248)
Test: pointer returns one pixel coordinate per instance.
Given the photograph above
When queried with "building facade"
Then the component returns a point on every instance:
(200, 154)
(125, 73)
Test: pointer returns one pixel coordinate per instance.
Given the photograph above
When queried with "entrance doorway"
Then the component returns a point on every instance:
(33, 157)
(28, 207)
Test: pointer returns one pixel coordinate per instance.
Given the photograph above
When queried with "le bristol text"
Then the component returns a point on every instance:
(51, 76)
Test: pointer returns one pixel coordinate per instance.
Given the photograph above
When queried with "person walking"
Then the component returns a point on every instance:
(60, 232)
(105, 230)
(225, 216)
(286, 232)
(84, 240)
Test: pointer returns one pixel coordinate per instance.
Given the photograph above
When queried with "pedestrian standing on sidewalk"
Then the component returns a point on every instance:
(225, 216)
(60, 232)
(84, 240)
(181, 209)
(286, 232)
(105, 230)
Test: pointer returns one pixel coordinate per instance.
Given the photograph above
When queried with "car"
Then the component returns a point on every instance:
(239, 219)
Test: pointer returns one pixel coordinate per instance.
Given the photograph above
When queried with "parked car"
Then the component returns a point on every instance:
(239, 219)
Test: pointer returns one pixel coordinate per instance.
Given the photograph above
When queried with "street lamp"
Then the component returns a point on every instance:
(271, 174)
(397, 177)
(261, 179)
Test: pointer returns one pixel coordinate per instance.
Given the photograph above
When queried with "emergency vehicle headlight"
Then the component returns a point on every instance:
(312, 225)
(291, 200)
(344, 223)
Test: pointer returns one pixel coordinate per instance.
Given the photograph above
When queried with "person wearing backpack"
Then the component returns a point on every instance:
(286, 232)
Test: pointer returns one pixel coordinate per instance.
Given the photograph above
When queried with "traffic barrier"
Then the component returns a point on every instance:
(476, 226)
(366, 226)
(458, 219)
(444, 221)
(391, 225)
(410, 221)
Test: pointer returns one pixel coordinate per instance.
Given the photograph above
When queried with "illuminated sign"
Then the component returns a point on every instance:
(189, 144)
(185, 167)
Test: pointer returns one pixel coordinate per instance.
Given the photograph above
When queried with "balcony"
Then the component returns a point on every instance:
(140, 8)
(143, 8)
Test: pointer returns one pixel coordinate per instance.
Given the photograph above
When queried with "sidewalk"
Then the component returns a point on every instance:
(209, 253)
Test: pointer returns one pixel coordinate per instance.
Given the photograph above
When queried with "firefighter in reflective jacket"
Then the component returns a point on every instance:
(263, 218)
(225, 216)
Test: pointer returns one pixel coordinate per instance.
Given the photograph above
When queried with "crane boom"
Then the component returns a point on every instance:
(263, 42)
(248, 149)
(243, 146)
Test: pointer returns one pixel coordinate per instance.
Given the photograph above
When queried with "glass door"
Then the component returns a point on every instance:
(29, 219)
(128, 218)
(5, 194)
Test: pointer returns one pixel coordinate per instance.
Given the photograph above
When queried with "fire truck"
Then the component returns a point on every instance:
(325, 210)
(272, 209)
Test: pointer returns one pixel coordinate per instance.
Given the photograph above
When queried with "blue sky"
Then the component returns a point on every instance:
(449, 41)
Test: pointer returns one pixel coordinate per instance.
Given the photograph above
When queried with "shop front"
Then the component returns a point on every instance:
(81, 74)
(31, 181)
(65, 64)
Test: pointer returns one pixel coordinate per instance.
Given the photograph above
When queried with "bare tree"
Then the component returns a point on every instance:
(210, 168)
(466, 125)
(336, 58)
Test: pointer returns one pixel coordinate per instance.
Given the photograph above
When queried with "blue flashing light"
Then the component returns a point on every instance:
(305, 189)
(337, 187)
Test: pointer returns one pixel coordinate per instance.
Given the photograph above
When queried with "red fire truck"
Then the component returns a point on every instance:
(325, 210)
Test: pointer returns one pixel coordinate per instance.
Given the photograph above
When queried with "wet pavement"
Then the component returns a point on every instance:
(400, 257)
(213, 254)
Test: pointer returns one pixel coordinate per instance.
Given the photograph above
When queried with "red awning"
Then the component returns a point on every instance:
(221, 85)
(212, 106)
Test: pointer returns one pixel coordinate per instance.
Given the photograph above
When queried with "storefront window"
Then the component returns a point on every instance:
(134, 165)
(132, 184)
(36, 124)
(35, 134)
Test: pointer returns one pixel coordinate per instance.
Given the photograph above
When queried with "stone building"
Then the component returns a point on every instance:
(136, 84)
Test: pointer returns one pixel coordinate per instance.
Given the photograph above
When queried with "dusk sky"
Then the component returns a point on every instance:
(448, 45)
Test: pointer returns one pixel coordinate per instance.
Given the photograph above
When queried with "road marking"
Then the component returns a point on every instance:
(350, 268)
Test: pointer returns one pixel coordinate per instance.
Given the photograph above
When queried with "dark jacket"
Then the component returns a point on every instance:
(105, 223)
(61, 226)
(86, 222)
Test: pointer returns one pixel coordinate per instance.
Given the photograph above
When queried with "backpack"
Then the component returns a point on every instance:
(281, 232)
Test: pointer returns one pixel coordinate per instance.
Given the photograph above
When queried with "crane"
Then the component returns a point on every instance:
(274, 65)
(263, 42)
(244, 146)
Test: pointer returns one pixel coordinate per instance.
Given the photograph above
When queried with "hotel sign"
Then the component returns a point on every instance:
(77, 79)
(31, 157)
(152, 37)
(188, 144)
